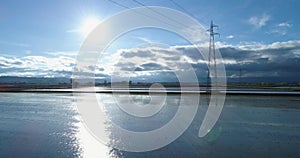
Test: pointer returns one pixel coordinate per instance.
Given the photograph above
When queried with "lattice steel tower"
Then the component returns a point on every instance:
(212, 63)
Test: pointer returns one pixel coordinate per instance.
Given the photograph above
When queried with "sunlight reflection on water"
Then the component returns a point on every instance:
(91, 147)
(47, 125)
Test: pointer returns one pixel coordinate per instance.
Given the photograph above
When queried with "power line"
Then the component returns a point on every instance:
(142, 4)
(126, 7)
(178, 5)
(182, 8)
(119, 4)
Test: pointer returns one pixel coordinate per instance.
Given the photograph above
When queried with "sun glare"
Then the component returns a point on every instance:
(88, 25)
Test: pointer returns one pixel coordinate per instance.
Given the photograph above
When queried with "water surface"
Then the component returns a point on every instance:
(47, 125)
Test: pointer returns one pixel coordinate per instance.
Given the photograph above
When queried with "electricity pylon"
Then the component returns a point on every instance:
(212, 63)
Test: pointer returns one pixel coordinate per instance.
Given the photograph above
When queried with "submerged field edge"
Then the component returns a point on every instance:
(144, 91)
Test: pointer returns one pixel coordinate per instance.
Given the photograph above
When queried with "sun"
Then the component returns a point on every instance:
(88, 25)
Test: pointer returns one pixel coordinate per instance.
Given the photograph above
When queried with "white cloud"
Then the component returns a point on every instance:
(256, 59)
(36, 66)
(257, 46)
(280, 58)
(280, 29)
(146, 40)
(230, 36)
(63, 53)
(284, 24)
(259, 22)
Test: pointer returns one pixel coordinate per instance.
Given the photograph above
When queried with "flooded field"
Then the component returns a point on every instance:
(48, 125)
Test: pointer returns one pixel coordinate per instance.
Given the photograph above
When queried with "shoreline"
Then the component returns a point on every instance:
(158, 91)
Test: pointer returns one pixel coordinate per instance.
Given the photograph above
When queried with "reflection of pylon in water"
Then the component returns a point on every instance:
(212, 63)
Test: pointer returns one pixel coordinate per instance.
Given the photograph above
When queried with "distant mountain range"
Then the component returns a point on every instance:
(62, 80)
(33, 80)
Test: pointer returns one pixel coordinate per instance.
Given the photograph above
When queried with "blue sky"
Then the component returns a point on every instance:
(50, 30)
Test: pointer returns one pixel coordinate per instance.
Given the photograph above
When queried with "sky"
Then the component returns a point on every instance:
(260, 38)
